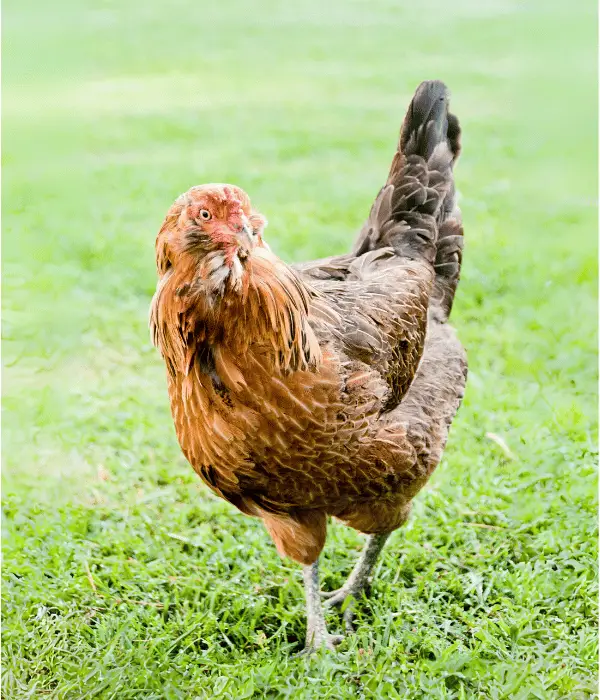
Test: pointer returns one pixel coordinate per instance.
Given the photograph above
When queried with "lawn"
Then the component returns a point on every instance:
(123, 577)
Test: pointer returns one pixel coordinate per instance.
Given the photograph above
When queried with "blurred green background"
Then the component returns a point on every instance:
(123, 577)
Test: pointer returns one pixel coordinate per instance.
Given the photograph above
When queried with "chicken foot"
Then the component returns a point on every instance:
(358, 579)
(316, 630)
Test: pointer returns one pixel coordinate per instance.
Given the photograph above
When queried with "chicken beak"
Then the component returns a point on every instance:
(245, 238)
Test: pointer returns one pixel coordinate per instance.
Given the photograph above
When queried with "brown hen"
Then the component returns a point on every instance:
(323, 389)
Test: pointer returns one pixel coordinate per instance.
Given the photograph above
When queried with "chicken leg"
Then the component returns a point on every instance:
(358, 579)
(316, 630)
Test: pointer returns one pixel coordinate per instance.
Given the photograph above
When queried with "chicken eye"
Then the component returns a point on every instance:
(205, 214)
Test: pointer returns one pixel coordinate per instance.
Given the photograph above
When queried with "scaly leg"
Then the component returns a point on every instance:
(358, 579)
(316, 630)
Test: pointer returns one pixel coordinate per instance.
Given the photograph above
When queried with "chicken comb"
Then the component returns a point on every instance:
(232, 200)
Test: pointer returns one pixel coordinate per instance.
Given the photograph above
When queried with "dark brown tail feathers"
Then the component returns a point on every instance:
(448, 261)
(416, 213)
(426, 122)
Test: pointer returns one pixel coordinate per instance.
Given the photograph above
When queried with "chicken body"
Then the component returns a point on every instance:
(326, 389)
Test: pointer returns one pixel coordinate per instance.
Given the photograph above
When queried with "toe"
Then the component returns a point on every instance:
(348, 618)
(338, 598)
(329, 641)
(329, 594)
(334, 640)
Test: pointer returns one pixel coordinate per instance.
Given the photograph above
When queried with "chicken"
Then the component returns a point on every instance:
(327, 388)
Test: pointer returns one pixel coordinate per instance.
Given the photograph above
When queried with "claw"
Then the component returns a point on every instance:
(348, 618)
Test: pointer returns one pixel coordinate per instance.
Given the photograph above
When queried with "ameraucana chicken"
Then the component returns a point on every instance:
(327, 388)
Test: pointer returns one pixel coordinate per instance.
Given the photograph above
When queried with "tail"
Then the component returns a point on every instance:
(448, 261)
(415, 213)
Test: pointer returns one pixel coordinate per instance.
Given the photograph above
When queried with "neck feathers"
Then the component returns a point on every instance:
(218, 319)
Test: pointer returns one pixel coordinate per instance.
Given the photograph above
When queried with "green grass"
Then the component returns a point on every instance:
(123, 577)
